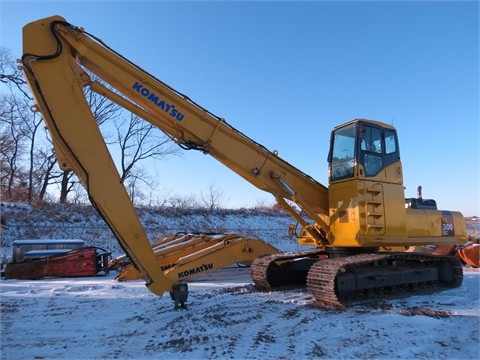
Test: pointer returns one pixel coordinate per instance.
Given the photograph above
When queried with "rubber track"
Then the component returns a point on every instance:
(259, 267)
(322, 276)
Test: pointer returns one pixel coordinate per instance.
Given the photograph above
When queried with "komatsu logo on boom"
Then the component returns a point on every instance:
(154, 98)
(195, 270)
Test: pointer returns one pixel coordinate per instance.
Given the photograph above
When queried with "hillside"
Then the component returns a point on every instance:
(57, 221)
(72, 221)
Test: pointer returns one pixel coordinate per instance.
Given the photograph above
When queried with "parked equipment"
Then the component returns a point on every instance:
(38, 259)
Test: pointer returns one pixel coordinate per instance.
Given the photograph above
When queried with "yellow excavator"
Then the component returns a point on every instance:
(350, 224)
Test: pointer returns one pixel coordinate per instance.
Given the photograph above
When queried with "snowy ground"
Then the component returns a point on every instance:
(98, 318)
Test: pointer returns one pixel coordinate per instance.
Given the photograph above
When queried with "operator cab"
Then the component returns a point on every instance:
(361, 149)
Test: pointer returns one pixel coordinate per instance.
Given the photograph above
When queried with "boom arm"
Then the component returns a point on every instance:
(56, 57)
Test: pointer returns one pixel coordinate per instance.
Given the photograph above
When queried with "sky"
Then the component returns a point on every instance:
(286, 73)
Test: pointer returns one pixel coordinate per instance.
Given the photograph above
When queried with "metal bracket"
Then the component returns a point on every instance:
(180, 295)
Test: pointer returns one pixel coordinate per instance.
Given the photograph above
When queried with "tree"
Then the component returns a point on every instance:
(183, 202)
(20, 125)
(12, 149)
(12, 131)
(46, 161)
(10, 75)
(140, 141)
(28, 164)
(32, 123)
(212, 199)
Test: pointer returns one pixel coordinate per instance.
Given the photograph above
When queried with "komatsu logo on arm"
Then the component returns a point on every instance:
(195, 270)
(154, 98)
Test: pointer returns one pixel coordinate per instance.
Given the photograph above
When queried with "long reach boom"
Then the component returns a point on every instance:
(57, 56)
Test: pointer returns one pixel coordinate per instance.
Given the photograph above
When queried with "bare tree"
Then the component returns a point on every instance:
(102, 108)
(23, 127)
(183, 202)
(28, 165)
(212, 199)
(12, 149)
(68, 180)
(10, 75)
(12, 133)
(32, 123)
(46, 162)
(137, 183)
(138, 141)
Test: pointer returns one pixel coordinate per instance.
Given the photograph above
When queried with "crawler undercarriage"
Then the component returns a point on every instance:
(346, 280)
(336, 277)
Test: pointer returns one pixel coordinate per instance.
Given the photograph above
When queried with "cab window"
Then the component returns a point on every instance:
(390, 142)
(342, 154)
(371, 149)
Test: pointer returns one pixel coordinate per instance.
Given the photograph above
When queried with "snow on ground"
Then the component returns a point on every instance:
(98, 318)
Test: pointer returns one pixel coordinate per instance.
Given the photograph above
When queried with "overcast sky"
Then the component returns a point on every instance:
(286, 73)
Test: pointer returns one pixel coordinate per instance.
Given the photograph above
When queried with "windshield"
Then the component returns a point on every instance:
(342, 156)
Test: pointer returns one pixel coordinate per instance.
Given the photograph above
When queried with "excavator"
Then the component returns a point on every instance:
(354, 227)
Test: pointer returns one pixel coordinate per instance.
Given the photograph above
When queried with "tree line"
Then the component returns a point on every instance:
(28, 166)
